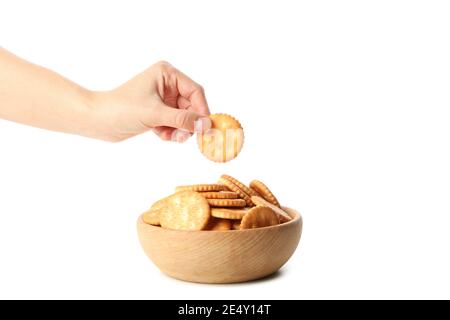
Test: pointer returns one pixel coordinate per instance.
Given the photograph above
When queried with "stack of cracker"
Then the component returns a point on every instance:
(227, 205)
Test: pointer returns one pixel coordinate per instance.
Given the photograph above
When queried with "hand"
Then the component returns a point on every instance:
(161, 99)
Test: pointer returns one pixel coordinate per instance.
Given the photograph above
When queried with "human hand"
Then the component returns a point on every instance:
(161, 99)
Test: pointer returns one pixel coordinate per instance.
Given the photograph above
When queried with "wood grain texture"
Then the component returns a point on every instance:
(221, 256)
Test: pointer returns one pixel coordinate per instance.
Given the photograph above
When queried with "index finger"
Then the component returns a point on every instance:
(193, 92)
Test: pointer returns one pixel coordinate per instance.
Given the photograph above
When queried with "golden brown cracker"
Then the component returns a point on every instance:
(224, 140)
(202, 188)
(237, 203)
(151, 216)
(282, 215)
(236, 225)
(264, 192)
(220, 195)
(217, 224)
(259, 217)
(250, 192)
(185, 210)
(224, 213)
(233, 187)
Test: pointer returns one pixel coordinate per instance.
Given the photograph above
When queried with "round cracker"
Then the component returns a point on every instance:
(224, 140)
(264, 191)
(186, 210)
(282, 215)
(220, 195)
(235, 203)
(233, 187)
(151, 216)
(250, 192)
(202, 188)
(259, 217)
(236, 225)
(233, 214)
(216, 224)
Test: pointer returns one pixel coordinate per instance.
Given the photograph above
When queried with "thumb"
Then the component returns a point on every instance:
(183, 119)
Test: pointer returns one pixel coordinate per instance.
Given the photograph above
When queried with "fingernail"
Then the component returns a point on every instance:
(180, 136)
(202, 124)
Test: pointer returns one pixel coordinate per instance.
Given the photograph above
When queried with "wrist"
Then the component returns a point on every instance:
(99, 124)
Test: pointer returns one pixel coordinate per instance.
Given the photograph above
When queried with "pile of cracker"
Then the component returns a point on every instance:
(227, 205)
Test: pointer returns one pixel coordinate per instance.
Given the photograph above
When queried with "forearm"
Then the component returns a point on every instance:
(36, 96)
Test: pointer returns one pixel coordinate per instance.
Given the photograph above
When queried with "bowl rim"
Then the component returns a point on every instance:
(297, 218)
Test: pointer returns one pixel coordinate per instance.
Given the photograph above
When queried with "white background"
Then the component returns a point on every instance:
(346, 110)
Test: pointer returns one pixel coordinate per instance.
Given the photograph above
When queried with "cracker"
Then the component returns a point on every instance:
(202, 188)
(236, 225)
(186, 210)
(238, 203)
(264, 191)
(282, 215)
(224, 140)
(259, 217)
(216, 224)
(233, 187)
(151, 216)
(224, 213)
(250, 192)
(220, 195)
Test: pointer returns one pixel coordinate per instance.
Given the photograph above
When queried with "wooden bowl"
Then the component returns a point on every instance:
(221, 256)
